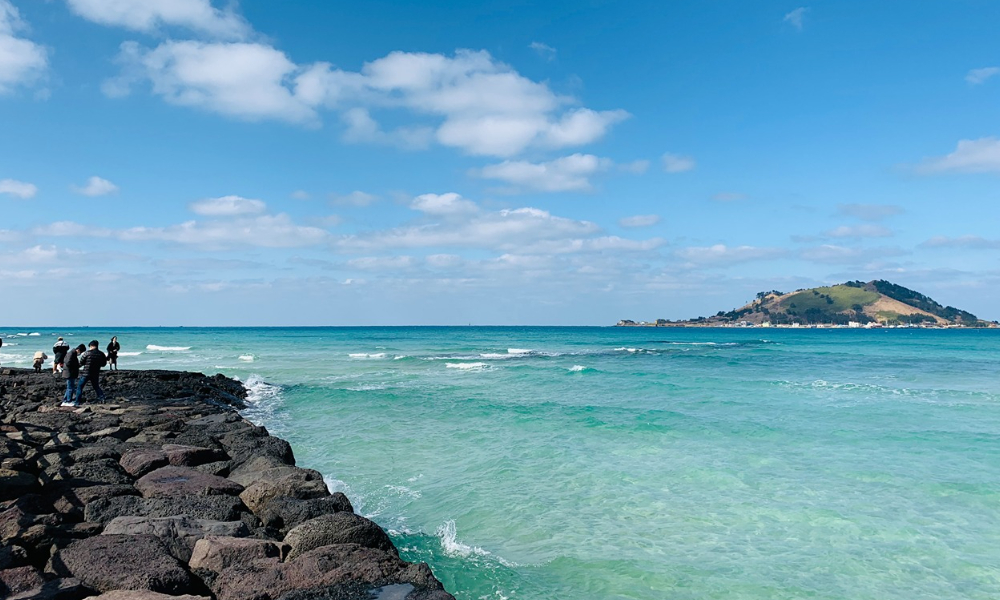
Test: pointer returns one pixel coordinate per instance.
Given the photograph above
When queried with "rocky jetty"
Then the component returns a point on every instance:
(165, 491)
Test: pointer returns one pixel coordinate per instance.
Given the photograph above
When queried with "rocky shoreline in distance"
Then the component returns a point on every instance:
(165, 491)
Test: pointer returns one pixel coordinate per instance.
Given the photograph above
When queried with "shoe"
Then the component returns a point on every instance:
(68, 404)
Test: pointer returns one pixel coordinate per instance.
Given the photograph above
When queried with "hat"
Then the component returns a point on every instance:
(59, 340)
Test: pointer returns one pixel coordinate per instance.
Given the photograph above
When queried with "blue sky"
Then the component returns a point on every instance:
(190, 162)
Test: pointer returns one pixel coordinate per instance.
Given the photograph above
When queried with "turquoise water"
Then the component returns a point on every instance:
(605, 463)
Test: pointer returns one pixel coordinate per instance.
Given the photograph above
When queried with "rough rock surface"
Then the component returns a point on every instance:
(166, 490)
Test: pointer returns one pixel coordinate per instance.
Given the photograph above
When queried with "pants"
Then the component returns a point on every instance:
(93, 379)
(38, 366)
(70, 390)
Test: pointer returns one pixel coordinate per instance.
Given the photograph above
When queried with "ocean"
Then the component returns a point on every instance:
(635, 463)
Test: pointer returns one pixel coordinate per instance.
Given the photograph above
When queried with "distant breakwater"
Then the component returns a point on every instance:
(165, 491)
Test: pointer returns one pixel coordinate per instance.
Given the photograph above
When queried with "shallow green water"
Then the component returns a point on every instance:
(565, 463)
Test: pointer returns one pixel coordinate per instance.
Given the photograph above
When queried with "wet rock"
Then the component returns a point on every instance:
(320, 569)
(125, 562)
(178, 533)
(184, 481)
(338, 528)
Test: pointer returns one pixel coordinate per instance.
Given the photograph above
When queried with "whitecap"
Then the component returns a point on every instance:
(35, 334)
(476, 366)
(448, 534)
(155, 348)
(375, 355)
(518, 351)
(578, 368)
(129, 353)
(247, 357)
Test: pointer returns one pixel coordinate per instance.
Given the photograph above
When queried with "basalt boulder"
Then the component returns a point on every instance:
(125, 562)
(338, 528)
(185, 481)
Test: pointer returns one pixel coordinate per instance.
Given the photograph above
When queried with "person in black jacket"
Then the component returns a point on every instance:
(91, 363)
(113, 349)
(59, 352)
(71, 370)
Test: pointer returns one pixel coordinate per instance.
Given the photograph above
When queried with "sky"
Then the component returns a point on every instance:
(203, 162)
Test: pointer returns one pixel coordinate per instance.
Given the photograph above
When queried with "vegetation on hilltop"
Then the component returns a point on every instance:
(858, 302)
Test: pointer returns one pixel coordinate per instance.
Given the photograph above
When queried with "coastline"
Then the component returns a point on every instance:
(166, 489)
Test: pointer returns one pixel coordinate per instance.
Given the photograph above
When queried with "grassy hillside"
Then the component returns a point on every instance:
(837, 298)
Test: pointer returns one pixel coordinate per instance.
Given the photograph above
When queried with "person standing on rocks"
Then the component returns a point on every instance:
(71, 371)
(59, 351)
(113, 349)
(91, 363)
(40, 358)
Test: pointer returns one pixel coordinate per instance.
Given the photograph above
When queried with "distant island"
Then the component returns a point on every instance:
(853, 304)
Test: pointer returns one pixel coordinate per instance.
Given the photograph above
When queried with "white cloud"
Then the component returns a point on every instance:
(504, 230)
(796, 17)
(569, 173)
(544, 50)
(382, 263)
(443, 204)
(22, 62)
(978, 76)
(243, 80)
(468, 101)
(96, 186)
(227, 206)
(361, 127)
(639, 221)
(973, 242)
(970, 156)
(859, 231)
(300, 195)
(19, 189)
(674, 163)
(869, 212)
(723, 254)
(835, 254)
(355, 198)
(149, 15)
(265, 231)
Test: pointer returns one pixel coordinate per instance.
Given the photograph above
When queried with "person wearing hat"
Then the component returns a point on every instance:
(59, 351)
(40, 358)
(71, 372)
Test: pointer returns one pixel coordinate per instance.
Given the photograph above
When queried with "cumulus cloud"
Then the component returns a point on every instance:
(243, 80)
(639, 221)
(675, 163)
(227, 206)
(18, 189)
(796, 17)
(970, 156)
(96, 186)
(859, 231)
(972, 242)
(544, 50)
(978, 76)
(569, 173)
(468, 101)
(443, 204)
(148, 16)
(22, 62)
(869, 212)
(721, 254)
